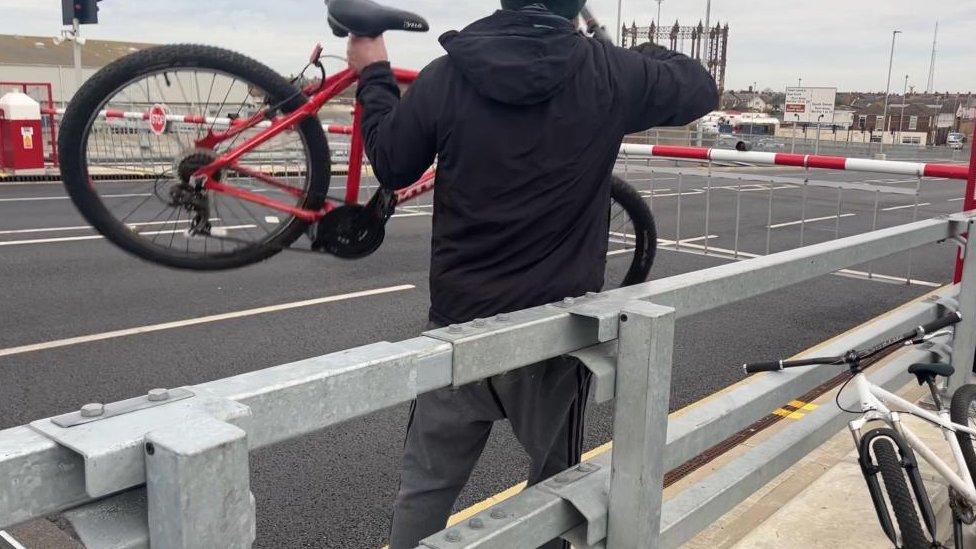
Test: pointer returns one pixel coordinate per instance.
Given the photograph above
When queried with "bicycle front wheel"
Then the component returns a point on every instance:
(135, 133)
(910, 535)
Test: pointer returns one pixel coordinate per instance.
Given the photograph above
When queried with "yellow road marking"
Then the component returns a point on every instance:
(789, 414)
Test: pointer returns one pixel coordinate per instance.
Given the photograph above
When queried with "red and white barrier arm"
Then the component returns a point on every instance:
(191, 119)
(895, 167)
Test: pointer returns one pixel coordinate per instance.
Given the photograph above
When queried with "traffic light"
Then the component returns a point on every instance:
(85, 11)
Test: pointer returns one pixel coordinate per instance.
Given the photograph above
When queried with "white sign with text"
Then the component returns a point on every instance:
(810, 105)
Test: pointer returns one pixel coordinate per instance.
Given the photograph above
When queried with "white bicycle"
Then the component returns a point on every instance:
(890, 451)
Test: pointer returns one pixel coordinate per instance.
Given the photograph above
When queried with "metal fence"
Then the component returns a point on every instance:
(180, 457)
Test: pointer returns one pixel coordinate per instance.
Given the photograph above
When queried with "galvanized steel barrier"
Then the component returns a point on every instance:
(171, 468)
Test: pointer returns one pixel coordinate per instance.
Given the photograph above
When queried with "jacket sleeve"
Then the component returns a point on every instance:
(399, 134)
(663, 88)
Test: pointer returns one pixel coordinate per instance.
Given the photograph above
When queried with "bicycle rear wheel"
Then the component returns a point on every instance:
(962, 410)
(131, 140)
(632, 236)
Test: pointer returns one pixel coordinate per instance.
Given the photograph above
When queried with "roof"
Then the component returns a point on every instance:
(41, 51)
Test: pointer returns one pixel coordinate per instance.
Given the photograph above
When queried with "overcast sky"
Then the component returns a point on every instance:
(842, 43)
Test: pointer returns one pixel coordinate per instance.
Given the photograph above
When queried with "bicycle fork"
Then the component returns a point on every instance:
(871, 472)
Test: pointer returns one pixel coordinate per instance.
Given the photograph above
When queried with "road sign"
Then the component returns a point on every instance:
(157, 119)
(810, 105)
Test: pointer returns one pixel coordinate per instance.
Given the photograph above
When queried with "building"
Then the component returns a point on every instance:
(745, 101)
(39, 59)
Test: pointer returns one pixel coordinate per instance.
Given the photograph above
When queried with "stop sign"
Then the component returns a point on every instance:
(157, 119)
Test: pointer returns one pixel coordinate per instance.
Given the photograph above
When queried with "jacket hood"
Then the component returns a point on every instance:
(517, 57)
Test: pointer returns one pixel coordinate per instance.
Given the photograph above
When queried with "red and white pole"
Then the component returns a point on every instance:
(969, 200)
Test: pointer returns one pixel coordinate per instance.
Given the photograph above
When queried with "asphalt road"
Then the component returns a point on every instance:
(334, 489)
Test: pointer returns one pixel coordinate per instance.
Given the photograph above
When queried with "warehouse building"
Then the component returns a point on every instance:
(40, 59)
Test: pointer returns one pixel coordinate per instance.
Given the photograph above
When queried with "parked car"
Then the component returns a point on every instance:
(955, 140)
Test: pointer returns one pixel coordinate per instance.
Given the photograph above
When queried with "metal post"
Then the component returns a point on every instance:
(964, 341)
(901, 118)
(840, 201)
(803, 203)
(969, 199)
(738, 217)
(918, 191)
(769, 216)
(677, 226)
(884, 118)
(198, 486)
(874, 227)
(796, 125)
(640, 425)
(76, 30)
(817, 147)
(708, 203)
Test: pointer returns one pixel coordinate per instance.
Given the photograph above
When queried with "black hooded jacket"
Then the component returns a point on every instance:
(525, 116)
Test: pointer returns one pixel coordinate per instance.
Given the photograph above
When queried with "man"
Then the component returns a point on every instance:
(525, 116)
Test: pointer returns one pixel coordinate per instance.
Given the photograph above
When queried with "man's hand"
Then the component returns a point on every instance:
(363, 52)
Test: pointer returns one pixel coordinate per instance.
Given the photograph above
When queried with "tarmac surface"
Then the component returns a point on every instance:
(65, 295)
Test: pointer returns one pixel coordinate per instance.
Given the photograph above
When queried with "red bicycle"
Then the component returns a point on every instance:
(200, 158)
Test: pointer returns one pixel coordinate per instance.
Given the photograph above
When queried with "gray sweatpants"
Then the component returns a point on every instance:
(448, 429)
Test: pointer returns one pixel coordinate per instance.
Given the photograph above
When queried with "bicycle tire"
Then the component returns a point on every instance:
(84, 108)
(959, 407)
(899, 495)
(645, 230)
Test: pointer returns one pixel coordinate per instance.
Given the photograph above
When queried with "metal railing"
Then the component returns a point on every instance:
(180, 457)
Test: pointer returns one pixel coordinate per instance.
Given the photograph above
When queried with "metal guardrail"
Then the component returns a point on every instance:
(181, 457)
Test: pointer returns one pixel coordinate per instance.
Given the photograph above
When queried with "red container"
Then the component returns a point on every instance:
(21, 146)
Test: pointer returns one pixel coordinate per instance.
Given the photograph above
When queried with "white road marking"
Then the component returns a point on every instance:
(665, 195)
(199, 320)
(905, 206)
(956, 199)
(37, 198)
(14, 544)
(660, 241)
(99, 237)
(790, 223)
(89, 227)
(412, 214)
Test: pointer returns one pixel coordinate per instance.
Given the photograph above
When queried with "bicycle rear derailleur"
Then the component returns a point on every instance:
(353, 231)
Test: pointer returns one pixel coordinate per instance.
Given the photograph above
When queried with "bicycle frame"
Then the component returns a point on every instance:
(876, 401)
(318, 96)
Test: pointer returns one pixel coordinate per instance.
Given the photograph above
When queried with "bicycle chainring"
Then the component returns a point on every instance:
(349, 232)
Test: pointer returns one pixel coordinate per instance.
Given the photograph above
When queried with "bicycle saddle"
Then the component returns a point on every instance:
(367, 18)
(930, 370)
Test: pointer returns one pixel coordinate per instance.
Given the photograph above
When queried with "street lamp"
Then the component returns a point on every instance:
(884, 117)
(658, 20)
(707, 56)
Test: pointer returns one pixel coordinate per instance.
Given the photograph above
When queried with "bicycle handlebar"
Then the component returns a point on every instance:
(754, 367)
(854, 357)
(938, 324)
